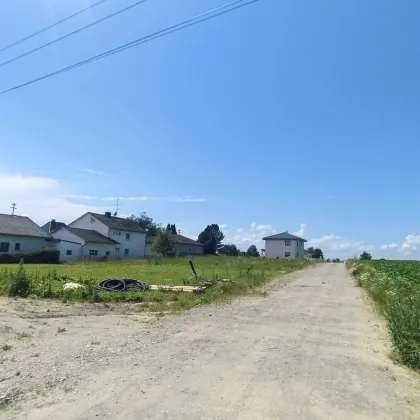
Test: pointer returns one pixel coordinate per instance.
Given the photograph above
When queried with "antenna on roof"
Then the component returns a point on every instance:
(13, 207)
(118, 207)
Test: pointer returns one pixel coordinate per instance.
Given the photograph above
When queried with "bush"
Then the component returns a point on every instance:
(40, 256)
(19, 282)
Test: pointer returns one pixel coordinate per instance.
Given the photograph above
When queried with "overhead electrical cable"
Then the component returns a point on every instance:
(171, 29)
(52, 25)
(73, 32)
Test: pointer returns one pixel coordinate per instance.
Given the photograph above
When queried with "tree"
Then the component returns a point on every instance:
(164, 243)
(211, 237)
(252, 251)
(147, 223)
(173, 229)
(315, 253)
(318, 254)
(231, 250)
(168, 227)
(365, 256)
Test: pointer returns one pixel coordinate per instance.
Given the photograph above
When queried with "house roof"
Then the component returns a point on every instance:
(54, 226)
(180, 239)
(20, 226)
(118, 223)
(284, 236)
(91, 236)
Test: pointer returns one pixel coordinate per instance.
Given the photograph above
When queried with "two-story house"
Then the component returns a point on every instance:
(284, 245)
(130, 236)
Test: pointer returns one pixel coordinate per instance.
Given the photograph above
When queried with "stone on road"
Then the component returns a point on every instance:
(312, 349)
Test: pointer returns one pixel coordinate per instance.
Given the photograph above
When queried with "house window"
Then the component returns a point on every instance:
(17, 246)
(126, 252)
(287, 254)
(190, 251)
(92, 220)
(69, 252)
(288, 243)
(93, 252)
(4, 246)
(117, 249)
(107, 254)
(119, 233)
(127, 236)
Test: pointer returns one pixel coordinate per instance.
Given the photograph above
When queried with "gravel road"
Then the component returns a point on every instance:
(312, 348)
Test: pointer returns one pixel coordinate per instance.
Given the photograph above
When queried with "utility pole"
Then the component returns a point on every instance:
(13, 207)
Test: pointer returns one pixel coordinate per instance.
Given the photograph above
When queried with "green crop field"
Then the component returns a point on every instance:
(245, 273)
(395, 286)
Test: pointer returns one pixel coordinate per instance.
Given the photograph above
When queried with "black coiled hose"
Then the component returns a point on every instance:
(119, 285)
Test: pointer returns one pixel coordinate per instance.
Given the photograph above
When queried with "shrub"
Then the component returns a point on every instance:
(19, 282)
(40, 256)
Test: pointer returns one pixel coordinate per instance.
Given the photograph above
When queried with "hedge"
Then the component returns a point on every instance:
(40, 256)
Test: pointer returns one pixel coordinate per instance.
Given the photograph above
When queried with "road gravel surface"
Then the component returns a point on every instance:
(311, 347)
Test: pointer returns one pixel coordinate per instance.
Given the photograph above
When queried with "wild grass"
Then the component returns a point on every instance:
(395, 287)
(47, 281)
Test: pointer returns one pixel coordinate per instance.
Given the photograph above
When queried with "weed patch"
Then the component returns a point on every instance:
(395, 287)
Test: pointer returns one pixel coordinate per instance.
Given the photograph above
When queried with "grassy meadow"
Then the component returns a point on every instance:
(395, 287)
(245, 273)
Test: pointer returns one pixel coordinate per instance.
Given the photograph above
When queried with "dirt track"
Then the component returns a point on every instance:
(311, 349)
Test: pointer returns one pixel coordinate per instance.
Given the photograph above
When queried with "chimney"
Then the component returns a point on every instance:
(52, 226)
(108, 214)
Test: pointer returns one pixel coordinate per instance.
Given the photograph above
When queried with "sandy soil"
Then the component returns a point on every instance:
(311, 349)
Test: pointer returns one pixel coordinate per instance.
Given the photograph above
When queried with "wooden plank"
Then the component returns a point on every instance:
(188, 289)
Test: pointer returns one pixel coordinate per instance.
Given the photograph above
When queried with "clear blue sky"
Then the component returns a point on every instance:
(283, 113)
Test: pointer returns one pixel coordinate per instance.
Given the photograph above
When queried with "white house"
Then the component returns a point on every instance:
(129, 237)
(21, 234)
(183, 246)
(83, 244)
(284, 245)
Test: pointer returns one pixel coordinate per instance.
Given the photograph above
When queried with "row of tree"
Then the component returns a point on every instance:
(211, 237)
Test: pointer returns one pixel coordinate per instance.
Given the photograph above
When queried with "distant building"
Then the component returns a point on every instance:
(183, 246)
(284, 245)
(21, 234)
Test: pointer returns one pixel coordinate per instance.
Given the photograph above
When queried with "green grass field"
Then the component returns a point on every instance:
(395, 287)
(46, 281)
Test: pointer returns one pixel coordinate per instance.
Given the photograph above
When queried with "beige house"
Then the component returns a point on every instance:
(183, 246)
(284, 245)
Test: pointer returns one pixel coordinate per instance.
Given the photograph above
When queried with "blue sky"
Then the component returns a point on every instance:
(284, 115)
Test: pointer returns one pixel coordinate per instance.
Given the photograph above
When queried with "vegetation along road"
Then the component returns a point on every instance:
(311, 348)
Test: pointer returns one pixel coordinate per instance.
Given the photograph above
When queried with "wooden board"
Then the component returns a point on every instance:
(188, 289)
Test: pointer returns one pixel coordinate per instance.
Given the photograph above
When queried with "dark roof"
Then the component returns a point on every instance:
(91, 236)
(284, 236)
(119, 223)
(54, 226)
(20, 226)
(179, 239)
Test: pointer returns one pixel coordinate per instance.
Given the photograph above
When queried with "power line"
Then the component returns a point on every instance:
(73, 33)
(52, 25)
(185, 24)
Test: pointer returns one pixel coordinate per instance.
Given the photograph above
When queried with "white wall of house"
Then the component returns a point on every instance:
(92, 223)
(180, 249)
(66, 235)
(25, 243)
(149, 252)
(69, 251)
(102, 249)
(134, 242)
(277, 248)
(187, 249)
